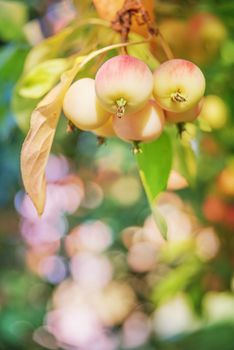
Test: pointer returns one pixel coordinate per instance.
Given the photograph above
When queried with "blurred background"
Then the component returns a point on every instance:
(94, 273)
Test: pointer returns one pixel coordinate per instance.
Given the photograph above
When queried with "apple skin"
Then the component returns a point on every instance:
(184, 117)
(81, 106)
(144, 125)
(124, 77)
(106, 130)
(214, 111)
(178, 85)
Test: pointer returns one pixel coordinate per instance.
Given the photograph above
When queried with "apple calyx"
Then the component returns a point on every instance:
(120, 104)
(178, 97)
(136, 147)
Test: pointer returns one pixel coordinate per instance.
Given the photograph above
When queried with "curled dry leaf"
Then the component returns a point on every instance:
(107, 9)
(37, 145)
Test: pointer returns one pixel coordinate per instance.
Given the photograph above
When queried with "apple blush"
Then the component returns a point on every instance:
(123, 85)
(178, 85)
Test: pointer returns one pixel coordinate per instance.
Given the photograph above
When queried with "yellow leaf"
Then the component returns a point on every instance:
(47, 49)
(41, 78)
(59, 43)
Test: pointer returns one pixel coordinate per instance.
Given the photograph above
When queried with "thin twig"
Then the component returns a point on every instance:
(166, 48)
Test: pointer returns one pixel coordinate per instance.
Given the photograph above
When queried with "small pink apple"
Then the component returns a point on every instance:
(123, 84)
(178, 85)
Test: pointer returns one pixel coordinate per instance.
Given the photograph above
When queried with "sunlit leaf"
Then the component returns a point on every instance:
(60, 44)
(42, 78)
(47, 49)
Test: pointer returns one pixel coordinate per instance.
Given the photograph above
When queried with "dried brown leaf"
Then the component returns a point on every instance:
(37, 145)
(107, 9)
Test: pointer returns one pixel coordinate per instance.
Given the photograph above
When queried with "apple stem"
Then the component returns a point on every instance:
(177, 97)
(181, 128)
(101, 140)
(120, 104)
(136, 147)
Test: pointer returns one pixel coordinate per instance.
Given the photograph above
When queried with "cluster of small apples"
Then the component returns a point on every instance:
(129, 101)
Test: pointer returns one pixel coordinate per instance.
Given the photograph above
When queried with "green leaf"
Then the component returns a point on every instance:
(42, 78)
(12, 58)
(154, 164)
